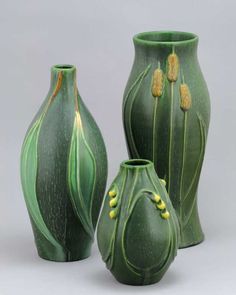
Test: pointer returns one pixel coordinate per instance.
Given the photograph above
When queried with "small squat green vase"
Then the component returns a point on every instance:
(166, 113)
(63, 171)
(138, 231)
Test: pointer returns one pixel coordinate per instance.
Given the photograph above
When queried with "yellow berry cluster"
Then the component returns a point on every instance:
(113, 203)
(162, 206)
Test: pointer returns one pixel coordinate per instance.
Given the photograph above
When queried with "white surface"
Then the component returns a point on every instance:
(96, 36)
(206, 269)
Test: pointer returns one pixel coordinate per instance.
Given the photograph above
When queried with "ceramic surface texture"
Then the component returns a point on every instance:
(166, 113)
(63, 171)
(138, 231)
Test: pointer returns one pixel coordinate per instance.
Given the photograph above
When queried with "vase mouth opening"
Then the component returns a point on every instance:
(63, 67)
(164, 37)
(136, 163)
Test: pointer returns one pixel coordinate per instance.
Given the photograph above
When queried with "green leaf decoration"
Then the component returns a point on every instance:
(140, 243)
(166, 115)
(107, 246)
(81, 176)
(154, 259)
(29, 178)
(131, 95)
(190, 197)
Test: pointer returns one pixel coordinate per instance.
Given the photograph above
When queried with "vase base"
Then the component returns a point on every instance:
(67, 259)
(66, 256)
(191, 234)
(135, 283)
(191, 243)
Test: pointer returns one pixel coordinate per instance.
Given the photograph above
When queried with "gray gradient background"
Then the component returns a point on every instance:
(96, 36)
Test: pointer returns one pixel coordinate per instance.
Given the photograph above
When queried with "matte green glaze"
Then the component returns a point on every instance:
(63, 171)
(138, 231)
(166, 112)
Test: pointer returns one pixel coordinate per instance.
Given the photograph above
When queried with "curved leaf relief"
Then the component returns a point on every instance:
(29, 160)
(81, 176)
(133, 89)
(188, 202)
(109, 258)
(173, 223)
(151, 270)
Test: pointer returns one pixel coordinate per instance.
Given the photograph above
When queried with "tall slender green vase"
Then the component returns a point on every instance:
(138, 231)
(63, 171)
(166, 113)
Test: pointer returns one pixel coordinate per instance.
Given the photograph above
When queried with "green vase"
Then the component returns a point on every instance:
(138, 231)
(166, 113)
(63, 171)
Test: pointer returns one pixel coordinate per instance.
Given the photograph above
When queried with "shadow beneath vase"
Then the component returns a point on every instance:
(105, 279)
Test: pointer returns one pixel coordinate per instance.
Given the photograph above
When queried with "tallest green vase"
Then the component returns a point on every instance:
(63, 171)
(166, 113)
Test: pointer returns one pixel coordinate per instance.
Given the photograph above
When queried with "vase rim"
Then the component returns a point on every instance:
(63, 67)
(136, 163)
(165, 37)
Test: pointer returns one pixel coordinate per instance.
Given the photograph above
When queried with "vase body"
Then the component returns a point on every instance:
(138, 231)
(166, 112)
(63, 171)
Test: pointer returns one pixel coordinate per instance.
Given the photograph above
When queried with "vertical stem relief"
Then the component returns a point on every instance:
(170, 133)
(182, 168)
(172, 75)
(157, 91)
(154, 131)
(185, 104)
(133, 92)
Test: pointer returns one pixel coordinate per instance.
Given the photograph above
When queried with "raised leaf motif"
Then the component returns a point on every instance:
(131, 96)
(29, 177)
(188, 200)
(81, 176)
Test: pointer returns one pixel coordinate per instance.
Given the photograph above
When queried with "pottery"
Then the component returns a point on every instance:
(63, 171)
(138, 231)
(166, 113)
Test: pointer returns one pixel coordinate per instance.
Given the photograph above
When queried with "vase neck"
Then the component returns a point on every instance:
(162, 43)
(135, 166)
(63, 75)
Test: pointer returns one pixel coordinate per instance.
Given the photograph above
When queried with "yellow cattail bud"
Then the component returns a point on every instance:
(113, 214)
(185, 97)
(165, 215)
(163, 181)
(112, 193)
(161, 205)
(173, 67)
(157, 198)
(113, 202)
(157, 83)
